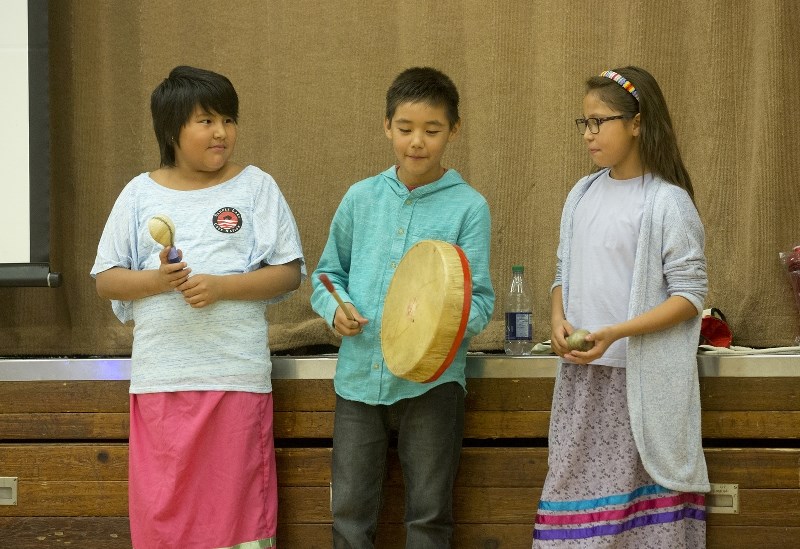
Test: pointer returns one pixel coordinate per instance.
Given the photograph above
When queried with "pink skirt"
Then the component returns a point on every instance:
(202, 470)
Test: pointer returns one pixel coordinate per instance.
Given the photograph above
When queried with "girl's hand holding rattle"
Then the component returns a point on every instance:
(576, 341)
(172, 275)
(162, 229)
(559, 331)
(172, 271)
(586, 351)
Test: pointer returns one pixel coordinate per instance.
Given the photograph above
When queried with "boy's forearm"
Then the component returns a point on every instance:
(123, 284)
(480, 313)
(264, 283)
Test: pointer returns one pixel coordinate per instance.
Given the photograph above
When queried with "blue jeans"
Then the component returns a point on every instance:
(429, 432)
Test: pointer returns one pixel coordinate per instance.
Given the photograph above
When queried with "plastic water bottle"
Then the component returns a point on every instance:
(519, 316)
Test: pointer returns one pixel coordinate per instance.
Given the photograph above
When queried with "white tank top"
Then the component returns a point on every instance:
(605, 232)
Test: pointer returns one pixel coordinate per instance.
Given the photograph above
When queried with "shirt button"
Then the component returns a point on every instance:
(400, 231)
(394, 264)
(374, 366)
(409, 202)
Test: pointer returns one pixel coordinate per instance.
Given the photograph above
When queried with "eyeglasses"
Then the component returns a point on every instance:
(594, 123)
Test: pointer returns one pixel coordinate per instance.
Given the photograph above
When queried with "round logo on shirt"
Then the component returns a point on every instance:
(227, 220)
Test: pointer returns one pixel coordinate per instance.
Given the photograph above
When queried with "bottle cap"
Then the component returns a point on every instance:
(517, 269)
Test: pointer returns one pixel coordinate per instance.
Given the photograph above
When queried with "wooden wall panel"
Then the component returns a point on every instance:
(67, 443)
(496, 489)
(750, 408)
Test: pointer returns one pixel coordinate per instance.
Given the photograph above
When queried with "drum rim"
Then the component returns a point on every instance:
(465, 310)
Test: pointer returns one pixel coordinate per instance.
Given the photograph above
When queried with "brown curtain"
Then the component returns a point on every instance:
(312, 77)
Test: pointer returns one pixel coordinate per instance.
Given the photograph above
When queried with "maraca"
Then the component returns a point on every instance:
(576, 341)
(162, 229)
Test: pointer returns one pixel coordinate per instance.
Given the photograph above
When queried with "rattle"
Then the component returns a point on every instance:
(576, 341)
(162, 229)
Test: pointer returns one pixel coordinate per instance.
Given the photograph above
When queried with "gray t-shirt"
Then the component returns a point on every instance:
(234, 227)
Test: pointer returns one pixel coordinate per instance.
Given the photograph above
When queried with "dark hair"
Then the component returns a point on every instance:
(658, 146)
(174, 100)
(423, 84)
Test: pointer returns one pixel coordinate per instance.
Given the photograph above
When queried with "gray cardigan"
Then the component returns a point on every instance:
(662, 380)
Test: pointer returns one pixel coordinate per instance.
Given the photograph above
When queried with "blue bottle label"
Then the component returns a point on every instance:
(518, 326)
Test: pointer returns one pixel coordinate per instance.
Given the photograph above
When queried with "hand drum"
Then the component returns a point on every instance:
(426, 310)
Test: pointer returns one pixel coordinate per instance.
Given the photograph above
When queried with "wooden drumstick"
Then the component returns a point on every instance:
(329, 285)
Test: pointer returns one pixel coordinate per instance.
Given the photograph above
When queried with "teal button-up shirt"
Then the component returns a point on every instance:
(378, 220)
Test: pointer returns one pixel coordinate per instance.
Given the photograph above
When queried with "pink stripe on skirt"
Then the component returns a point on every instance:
(202, 469)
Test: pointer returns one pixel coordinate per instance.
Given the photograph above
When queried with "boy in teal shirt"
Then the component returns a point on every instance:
(378, 220)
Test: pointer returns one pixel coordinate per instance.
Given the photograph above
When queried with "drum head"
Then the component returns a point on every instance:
(426, 310)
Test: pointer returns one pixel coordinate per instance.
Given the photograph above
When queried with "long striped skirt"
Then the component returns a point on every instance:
(597, 493)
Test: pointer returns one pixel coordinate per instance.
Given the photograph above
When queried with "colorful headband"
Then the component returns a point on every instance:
(622, 81)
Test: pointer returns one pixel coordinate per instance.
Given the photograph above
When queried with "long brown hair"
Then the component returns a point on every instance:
(658, 146)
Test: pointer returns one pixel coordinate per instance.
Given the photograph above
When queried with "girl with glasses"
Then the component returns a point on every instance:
(626, 459)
